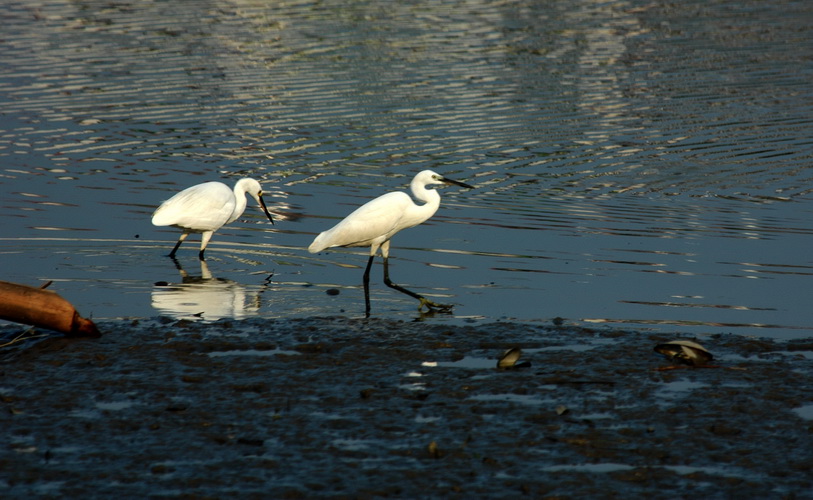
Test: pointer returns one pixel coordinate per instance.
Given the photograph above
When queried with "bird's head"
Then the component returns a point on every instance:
(253, 188)
(430, 178)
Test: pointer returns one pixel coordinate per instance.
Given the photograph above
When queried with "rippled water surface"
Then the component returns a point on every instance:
(635, 165)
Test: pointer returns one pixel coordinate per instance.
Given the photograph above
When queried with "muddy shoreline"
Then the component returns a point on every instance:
(350, 408)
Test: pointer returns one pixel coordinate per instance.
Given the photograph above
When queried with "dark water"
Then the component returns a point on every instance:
(635, 165)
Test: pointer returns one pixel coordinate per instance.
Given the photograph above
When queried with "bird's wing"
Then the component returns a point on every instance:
(203, 207)
(375, 219)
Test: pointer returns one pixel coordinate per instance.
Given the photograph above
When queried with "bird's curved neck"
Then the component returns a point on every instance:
(239, 201)
(429, 197)
(423, 194)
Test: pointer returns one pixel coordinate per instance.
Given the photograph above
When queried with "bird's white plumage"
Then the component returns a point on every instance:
(370, 225)
(206, 207)
(375, 222)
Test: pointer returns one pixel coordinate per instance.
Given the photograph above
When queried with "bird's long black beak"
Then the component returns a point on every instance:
(265, 209)
(456, 183)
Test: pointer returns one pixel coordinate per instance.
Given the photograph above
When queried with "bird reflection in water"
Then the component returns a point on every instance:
(206, 297)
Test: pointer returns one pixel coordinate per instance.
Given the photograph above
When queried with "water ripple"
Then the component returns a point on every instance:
(624, 153)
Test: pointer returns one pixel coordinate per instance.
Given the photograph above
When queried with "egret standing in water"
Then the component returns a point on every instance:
(205, 208)
(374, 223)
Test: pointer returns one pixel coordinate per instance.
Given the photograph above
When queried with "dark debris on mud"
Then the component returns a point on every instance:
(349, 408)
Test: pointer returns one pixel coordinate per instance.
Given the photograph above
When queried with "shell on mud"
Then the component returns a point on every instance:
(685, 351)
(509, 359)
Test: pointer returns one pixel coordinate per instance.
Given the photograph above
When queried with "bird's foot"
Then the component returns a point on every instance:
(433, 307)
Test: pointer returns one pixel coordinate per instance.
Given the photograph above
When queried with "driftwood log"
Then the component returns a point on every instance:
(43, 308)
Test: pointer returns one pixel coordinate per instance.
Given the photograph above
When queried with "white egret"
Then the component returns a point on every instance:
(205, 208)
(374, 223)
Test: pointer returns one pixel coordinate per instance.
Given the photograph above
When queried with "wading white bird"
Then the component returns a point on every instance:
(374, 223)
(205, 208)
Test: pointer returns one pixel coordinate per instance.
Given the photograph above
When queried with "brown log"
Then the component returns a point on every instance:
(43, 308)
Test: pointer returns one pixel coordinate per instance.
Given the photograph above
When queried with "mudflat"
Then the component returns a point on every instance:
(352, 408)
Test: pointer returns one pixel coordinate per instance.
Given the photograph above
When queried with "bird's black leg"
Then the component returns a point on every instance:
(424, 301)
(367, 287)
(177, 245)
(204, 240)
(390, 284)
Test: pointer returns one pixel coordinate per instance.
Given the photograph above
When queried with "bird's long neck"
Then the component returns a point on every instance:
(430, 199)
(239, 201)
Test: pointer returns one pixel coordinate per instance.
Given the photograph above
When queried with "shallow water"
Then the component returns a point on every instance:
(637, 166)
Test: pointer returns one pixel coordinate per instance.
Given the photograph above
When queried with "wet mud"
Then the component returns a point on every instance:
(350, 408)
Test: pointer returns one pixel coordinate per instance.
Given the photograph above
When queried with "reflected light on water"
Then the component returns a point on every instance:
(624, 157)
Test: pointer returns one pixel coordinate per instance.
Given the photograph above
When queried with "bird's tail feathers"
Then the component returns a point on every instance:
(318, 244)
